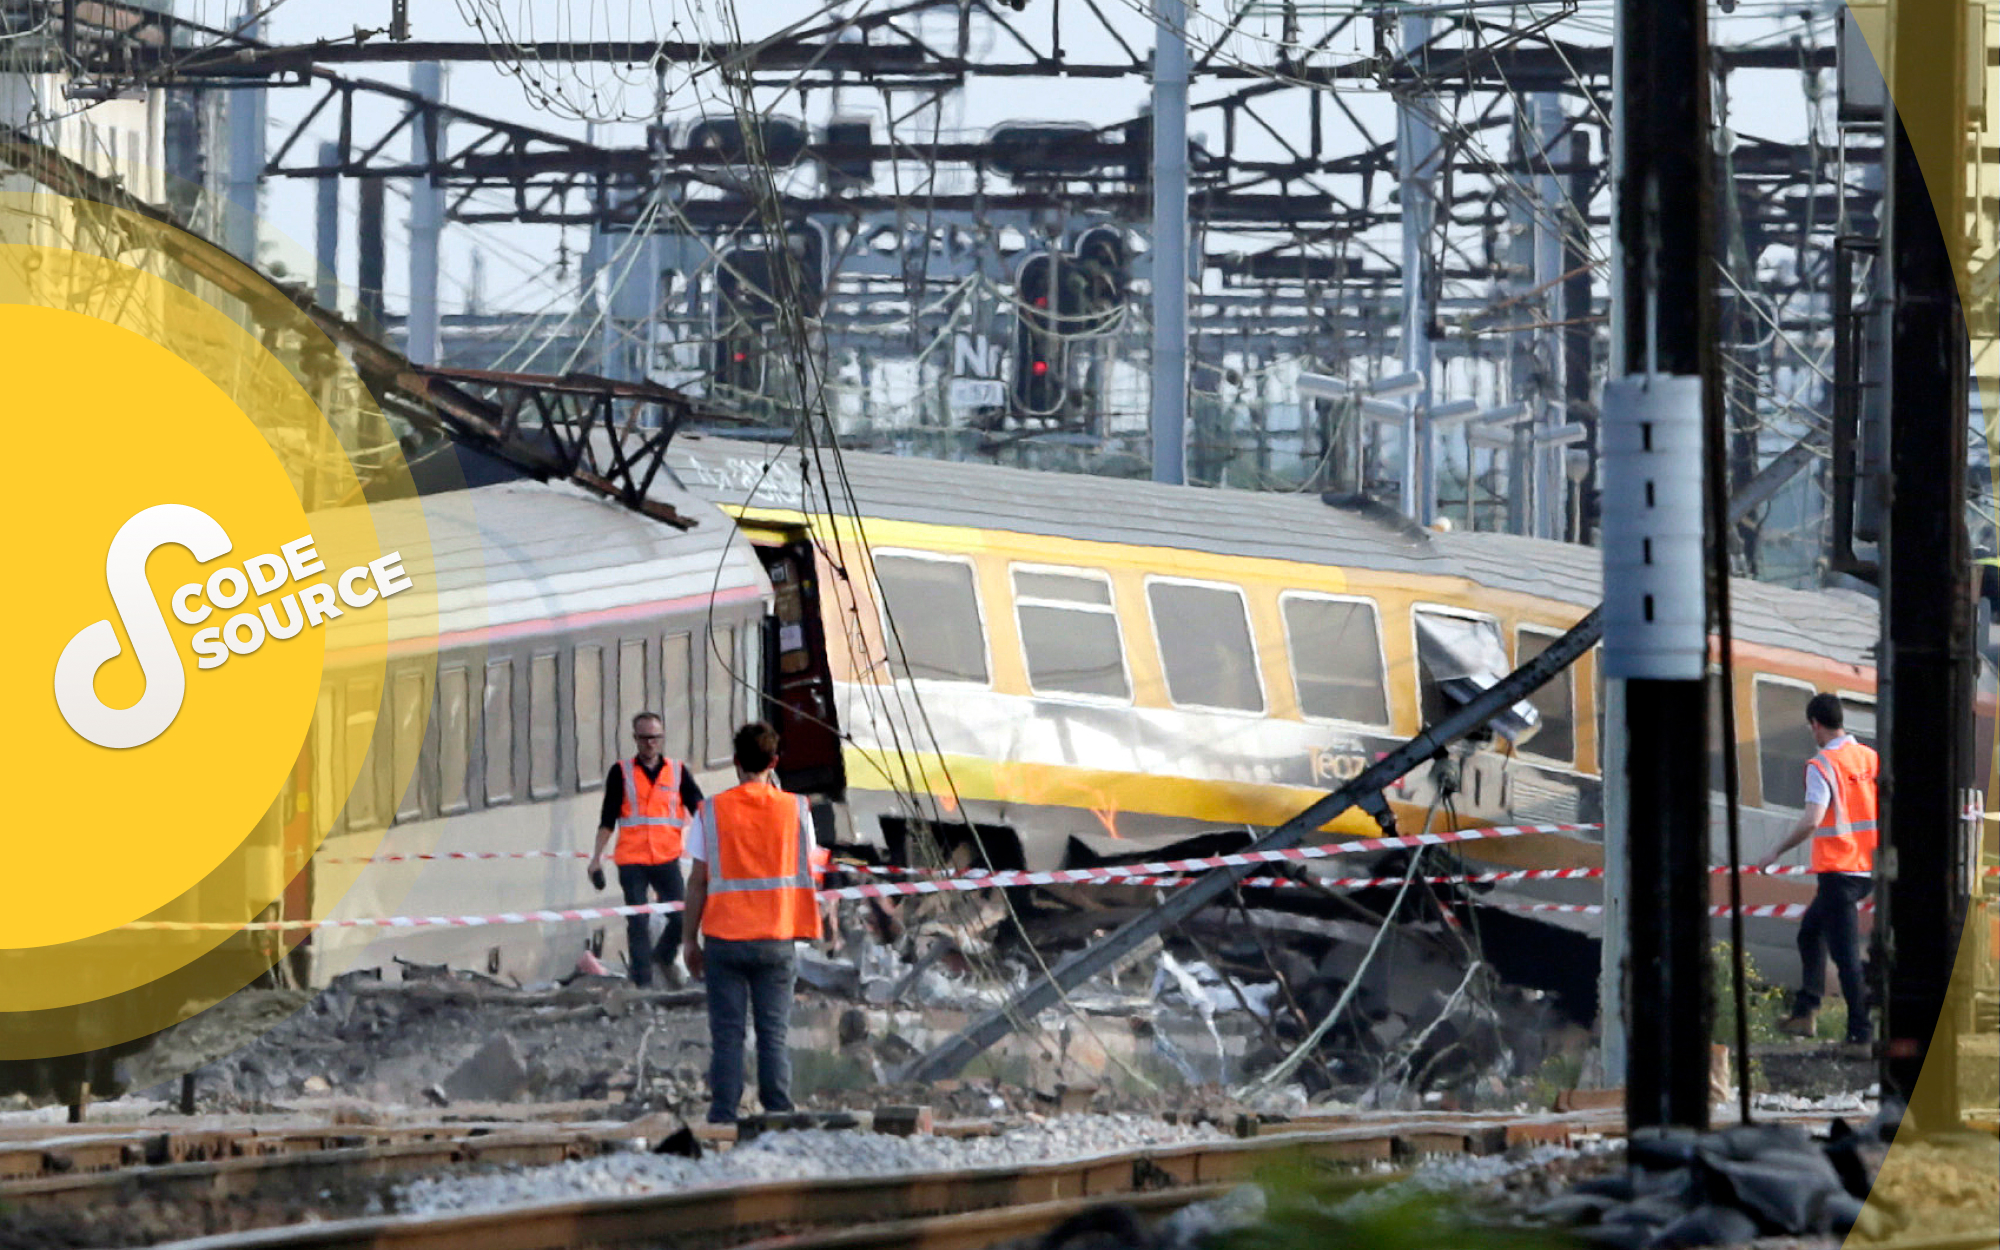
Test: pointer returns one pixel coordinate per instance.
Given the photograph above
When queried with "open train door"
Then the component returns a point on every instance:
(798, 681)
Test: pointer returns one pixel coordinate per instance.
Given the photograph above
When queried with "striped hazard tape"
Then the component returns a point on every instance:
(1164, 873)
(1057, 877)
(880, 889)
(1765, 911)
(427, 856)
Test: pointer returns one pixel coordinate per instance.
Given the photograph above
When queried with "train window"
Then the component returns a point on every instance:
(631, 686)
(543, 748)
(587, 699)
(1554, 703)
(454, 739)
(1337, 665)
(408, 707)
(931, 608)
(364, 807)
(1069, 634)
(721, 703)
(499, 726)
(1857, 715)
(1784, 744)
(675, 704)
(1459, 656)
(1205, 647)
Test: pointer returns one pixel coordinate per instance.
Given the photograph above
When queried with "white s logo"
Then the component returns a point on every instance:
(166, 678)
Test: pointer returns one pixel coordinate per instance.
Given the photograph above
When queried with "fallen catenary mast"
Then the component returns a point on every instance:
(1365, 792)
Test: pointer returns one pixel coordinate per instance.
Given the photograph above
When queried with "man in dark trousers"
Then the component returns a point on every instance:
(1840, 819)
(750, 901)
(647, 799)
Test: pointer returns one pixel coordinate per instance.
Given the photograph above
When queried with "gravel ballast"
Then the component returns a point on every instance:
(802, 1155)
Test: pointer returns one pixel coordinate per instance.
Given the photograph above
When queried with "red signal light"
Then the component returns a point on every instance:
(1041, 301)
(1039, 368)
(740, 357)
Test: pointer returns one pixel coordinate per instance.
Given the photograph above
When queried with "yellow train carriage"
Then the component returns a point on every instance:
(1085, 664)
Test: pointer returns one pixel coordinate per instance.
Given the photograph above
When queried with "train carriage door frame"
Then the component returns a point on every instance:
(796, 682)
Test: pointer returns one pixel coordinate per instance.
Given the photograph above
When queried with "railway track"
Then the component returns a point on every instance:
(933, 1210)
(49, 1170)
(249, 1191)
(964, 1210)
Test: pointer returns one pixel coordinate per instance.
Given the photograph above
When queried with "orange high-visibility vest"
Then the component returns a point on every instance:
(1845, 839)
(653, 820)
(760, 877)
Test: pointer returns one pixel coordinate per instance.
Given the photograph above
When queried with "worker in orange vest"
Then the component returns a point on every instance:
(647, 799)
(1840, 819)
(750, 899)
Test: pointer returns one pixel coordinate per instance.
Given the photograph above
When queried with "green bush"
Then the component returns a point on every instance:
(1766, 1001)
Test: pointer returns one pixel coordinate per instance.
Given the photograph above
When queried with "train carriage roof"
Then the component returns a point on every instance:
(525, 554)
(1836, 624)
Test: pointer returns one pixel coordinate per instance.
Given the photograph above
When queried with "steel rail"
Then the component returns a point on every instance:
(766, 1213)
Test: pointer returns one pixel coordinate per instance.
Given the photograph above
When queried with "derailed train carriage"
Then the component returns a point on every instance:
(1107, 668)
(1069, 669)
(561, 615)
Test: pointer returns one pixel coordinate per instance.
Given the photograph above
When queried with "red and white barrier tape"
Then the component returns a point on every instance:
(1773, 911)
(1765, 911)
(414, 856)
(974, 881)
(1161, 873)
(1215, 861)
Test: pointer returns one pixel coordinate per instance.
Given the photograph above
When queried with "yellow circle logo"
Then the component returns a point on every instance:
(129, 750)
(206, 563)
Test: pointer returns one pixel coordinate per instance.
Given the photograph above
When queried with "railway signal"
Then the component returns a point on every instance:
(1040, 354)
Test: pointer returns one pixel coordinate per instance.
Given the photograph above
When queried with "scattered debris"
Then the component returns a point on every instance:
(494, 1073)
(1731, 1185)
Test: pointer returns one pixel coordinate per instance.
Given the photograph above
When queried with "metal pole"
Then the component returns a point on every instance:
(426, 218)
(1170, 243)
(1551, 483)
(1582, 335)
(1655, 589)
(1612, 1007)
(326, 231)
(1926, 601)
(1416, 142)
(246, 158)
(1522, 264)
(369, 257)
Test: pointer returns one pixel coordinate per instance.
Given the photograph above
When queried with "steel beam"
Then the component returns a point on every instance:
(1169, 253)
(1927, 673)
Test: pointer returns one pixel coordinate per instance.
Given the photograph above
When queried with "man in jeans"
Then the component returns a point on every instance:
(1839, 817)
(647, 799)
(749, 900)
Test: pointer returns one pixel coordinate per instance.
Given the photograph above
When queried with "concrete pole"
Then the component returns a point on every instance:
(1170, 243)
(1551, 483)
(326, 232)
(426, 222)
(1416, 142)
(1657, 413)
(246, 158)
